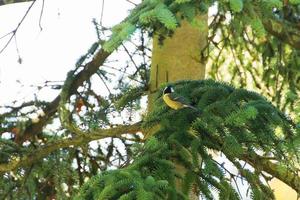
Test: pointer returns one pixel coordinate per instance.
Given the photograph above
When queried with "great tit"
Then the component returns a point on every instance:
(173, 101)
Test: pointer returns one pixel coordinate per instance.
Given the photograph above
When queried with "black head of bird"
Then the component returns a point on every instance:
(168, 90)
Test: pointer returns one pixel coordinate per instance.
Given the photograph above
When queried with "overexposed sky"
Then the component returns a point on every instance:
(48, 54)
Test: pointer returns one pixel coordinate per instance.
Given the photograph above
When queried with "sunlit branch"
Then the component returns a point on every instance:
(275, 169)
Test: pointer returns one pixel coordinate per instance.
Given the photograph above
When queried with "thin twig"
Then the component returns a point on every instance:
(129, 75)
(16, 29)
(131, 2)
(104, 83)
(233, 176)
(101, 14)
(41, 15)
(11, 32)
(18, 52)
(130, 56)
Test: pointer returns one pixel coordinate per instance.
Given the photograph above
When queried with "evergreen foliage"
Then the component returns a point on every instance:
(252, 44)
(236, 5)
(254, 38)
(243, 25)
(162, 16)
(233, 121)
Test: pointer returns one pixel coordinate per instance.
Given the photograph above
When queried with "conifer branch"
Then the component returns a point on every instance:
(281, 172)
(260, 163)
(286, 33)
(78, 140)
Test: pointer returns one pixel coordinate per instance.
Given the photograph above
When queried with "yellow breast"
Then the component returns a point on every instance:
(173, 104)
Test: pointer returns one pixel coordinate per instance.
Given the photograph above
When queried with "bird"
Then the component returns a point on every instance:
(173, 101)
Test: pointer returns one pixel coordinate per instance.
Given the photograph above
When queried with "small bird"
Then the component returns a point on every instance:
(173, 101)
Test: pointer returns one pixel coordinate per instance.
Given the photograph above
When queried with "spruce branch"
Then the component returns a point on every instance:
(266, 20)
(277, 170)
(289, 34)
(237, 123)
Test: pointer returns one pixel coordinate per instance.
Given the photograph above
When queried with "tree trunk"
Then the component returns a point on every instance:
(178, 58)
(283, 191)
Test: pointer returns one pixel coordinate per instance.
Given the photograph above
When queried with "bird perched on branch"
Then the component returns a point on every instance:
(175, 102)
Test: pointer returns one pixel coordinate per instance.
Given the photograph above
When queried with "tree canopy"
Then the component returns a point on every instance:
(236, 122)
(251, 46)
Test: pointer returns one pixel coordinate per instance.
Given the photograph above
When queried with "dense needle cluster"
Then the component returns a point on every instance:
(240, 124)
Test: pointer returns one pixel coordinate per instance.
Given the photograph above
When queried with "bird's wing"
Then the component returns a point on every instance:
(175, 97)
(181, 101)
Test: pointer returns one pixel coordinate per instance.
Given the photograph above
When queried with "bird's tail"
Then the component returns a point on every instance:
(192, 107)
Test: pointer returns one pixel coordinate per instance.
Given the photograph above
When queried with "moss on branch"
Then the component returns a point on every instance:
(78, 140)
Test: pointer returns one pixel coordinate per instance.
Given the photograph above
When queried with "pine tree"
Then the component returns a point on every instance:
(253, 45)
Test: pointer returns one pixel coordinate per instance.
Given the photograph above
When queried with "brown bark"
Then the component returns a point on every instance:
(70, 142)
(89, 69)
(262, 164)
(275, 169)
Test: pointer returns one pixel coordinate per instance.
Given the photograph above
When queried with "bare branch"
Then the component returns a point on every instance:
(275, 169)
(5, 2)
(102, 12)
(129, 1)
(13, 33)
(41, 15)
(89, 69)
(64, 143)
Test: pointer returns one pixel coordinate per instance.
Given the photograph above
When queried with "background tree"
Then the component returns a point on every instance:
(251, 44)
